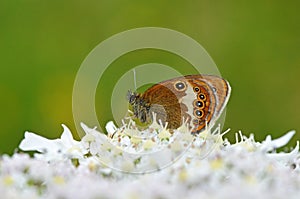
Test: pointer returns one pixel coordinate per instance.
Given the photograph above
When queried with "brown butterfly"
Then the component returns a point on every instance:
(199, 99)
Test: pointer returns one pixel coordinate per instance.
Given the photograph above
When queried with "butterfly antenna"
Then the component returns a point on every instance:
(134, 78)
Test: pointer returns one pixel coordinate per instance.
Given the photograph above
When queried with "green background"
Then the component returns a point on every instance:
(43, 43)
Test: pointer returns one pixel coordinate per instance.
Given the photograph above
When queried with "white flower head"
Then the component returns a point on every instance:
(164, 165)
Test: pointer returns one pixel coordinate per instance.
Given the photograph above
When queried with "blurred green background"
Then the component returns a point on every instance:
(256, 46)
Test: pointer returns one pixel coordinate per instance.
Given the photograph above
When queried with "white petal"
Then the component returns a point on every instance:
(93, 148)
(285, 157)
(67, 136)
(98, 135)
(34, 142)
(110, 127)
(283, 140)
(86, 129)
(270, 144)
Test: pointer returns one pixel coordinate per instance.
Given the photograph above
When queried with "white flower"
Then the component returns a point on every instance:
(93, 139)
(149, 167)
(64, 147)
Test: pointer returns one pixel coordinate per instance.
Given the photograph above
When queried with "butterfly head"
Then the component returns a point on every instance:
(139, 106)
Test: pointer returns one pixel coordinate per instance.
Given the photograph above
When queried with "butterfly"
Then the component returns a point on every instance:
(198, 99)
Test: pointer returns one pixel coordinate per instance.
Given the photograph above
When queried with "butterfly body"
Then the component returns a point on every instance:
(199, 99)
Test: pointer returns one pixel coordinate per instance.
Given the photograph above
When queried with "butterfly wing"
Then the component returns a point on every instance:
(198, 98)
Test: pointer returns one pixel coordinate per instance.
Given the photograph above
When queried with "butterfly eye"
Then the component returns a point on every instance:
(199, 104)
(196, 89)
(198, 113)
(179, 86)
(201, 96)
(131, 97)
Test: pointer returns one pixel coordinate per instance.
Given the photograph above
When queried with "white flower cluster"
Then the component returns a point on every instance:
(151, 163)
